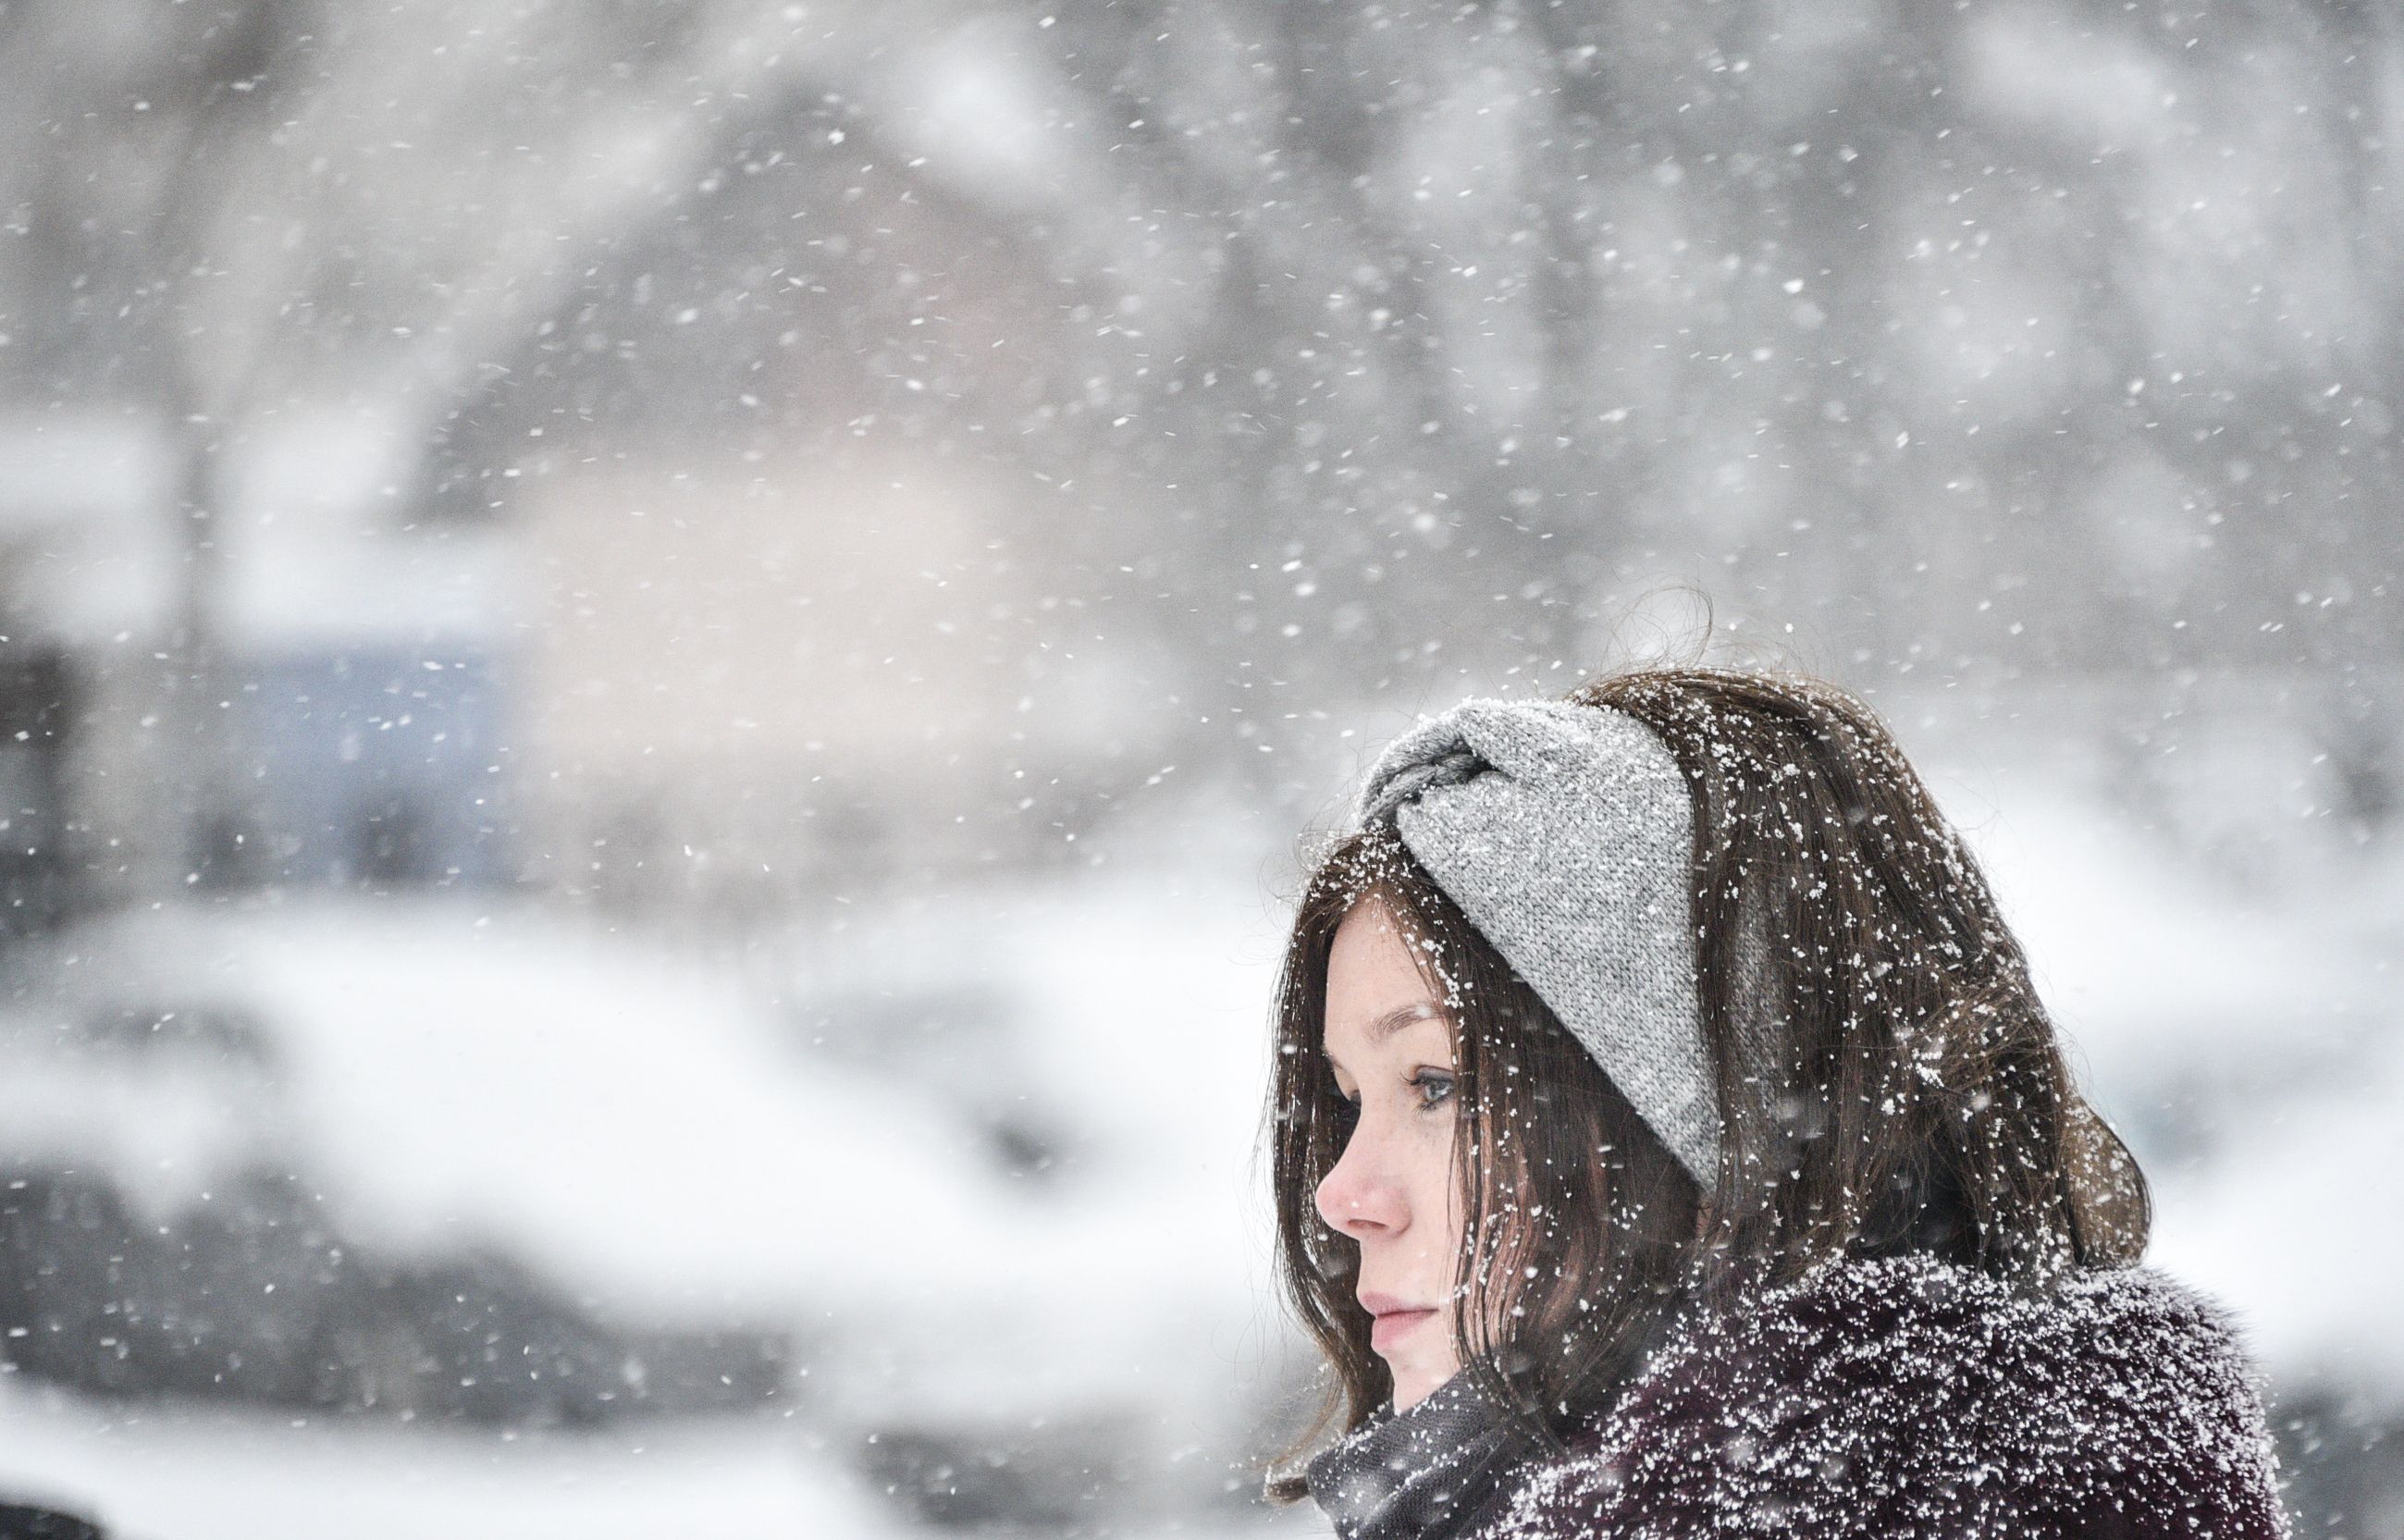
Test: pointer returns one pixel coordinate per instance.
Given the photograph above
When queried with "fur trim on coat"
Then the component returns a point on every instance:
(1908, 1397)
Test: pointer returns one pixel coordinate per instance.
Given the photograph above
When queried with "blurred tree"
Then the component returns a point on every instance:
(2054, 334)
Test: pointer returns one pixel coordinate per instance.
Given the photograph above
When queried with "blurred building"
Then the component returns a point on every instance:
(795, 673)
(349, 728)
(648, 684)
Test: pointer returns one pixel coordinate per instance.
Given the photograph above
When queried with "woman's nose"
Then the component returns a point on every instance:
(1358, 1199)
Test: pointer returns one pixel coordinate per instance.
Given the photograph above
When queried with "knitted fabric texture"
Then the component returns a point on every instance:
(1434, 1470)
(1564, 833)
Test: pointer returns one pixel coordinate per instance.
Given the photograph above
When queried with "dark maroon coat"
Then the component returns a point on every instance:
(1910, 1398)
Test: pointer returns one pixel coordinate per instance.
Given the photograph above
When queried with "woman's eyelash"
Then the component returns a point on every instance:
(1435, 1088)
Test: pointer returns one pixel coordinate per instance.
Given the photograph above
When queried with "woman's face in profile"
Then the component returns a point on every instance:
(1392, 1191)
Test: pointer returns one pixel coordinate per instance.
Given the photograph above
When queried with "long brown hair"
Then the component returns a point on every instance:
(1888, 1078)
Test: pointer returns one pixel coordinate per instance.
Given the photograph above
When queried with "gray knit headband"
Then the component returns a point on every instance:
(1564, 833)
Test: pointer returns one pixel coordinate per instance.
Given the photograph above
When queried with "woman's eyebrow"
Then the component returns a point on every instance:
(1401, 1017)
(1385, 1026)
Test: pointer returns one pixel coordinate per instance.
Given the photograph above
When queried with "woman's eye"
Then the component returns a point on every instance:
(1435, 1086)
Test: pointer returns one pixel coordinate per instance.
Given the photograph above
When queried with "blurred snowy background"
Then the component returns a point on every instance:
(662, 662)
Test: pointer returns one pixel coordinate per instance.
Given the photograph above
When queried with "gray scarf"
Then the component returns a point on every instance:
(1432, 1472)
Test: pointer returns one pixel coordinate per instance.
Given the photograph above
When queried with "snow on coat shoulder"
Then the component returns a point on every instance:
(1911, 1397)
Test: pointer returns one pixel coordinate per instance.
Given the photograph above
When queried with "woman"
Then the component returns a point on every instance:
(1669, 1141)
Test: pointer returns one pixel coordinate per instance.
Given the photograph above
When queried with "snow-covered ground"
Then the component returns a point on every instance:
(671, 1149)
(204, 1473)
(447, 1073)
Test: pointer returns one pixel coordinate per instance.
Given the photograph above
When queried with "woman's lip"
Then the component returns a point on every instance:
(1392, 1326)
(1387, 1304)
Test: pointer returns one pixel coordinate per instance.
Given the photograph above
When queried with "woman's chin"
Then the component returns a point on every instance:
(1413, 1384)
